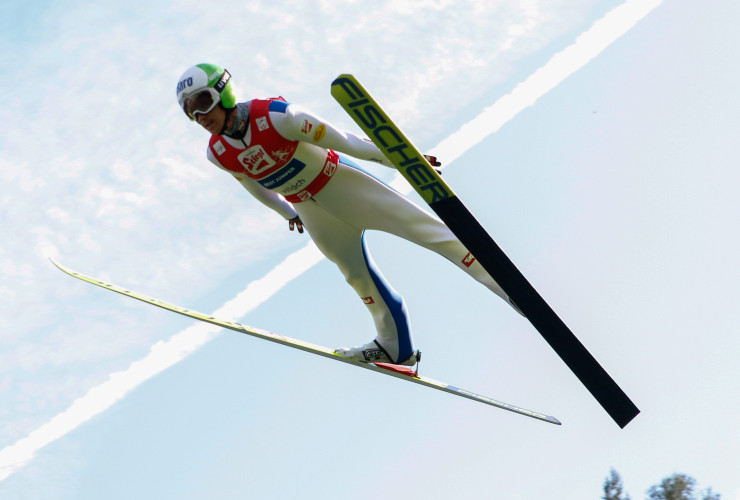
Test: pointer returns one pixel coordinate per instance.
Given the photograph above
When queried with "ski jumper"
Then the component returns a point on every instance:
(289, 160)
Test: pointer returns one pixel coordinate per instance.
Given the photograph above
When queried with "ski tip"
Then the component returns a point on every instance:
(61, 267)
(344, 76)
(346, 84)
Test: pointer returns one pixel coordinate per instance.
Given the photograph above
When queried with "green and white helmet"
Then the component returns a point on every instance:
(202, 87)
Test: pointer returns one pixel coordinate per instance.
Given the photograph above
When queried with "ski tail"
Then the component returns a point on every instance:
(427, 182)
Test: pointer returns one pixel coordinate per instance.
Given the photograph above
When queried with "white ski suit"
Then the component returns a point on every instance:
(289, 161)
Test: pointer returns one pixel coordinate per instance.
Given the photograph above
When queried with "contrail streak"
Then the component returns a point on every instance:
(161, 356)
(587, 46)
(590, 44)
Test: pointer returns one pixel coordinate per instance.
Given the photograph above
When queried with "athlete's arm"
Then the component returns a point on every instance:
(299, 124)
(268, 198)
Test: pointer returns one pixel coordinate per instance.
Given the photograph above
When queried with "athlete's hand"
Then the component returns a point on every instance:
(433, 161)
(296, 223)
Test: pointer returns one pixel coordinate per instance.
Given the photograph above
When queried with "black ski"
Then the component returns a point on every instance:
(358, 103)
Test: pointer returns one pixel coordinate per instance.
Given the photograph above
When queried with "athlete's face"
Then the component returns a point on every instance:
(213, 121)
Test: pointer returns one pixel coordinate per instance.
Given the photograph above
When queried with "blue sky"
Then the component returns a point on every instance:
(614, 193)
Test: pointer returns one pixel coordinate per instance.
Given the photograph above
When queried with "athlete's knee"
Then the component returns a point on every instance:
(356, 278)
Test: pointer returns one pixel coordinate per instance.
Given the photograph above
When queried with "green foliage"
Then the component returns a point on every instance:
(675, 487)
(710, 495)
(613, 489)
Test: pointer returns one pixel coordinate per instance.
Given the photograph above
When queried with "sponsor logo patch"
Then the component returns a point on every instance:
(280, 155)
(372, 354)
(219, 148)
(330, 168)
(468, 260)
(368, 300)
(262, 124)
(294, 187)
(320, 133)
(256, 160)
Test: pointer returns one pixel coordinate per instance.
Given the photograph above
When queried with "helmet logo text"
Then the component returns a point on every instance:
(188, 82)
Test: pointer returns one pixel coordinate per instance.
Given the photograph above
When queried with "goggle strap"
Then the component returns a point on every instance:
(221, 83)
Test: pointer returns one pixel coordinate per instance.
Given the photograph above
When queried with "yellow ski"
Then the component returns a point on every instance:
(401, 372)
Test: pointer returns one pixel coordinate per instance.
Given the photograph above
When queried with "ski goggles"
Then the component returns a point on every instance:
(203, 101)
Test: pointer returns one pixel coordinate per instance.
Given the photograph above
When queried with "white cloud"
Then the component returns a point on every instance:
(88, 243)
(67, 168)
(10, 268)
(58, 214)
(20, 175)
(122, 170)
(118, 208)
(104, 169)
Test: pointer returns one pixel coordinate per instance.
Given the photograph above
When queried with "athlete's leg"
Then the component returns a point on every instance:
(344, 245)
(368, 203)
